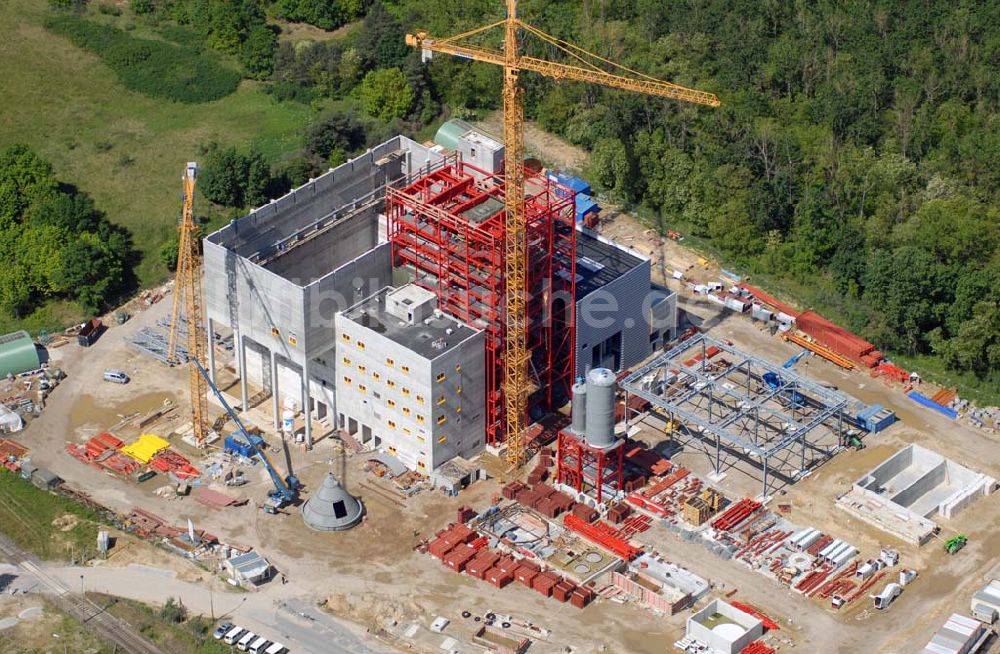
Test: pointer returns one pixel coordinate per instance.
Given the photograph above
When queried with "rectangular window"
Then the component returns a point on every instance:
(346, 361)
(443, 439)
(362, 368)
(376, 376)
(391, 403)
(441, 377)
(406, 392)
(406, 410)
(421, 439)
(420, 399)
(458, 367)
(458, 389)
(275, 332)
(346, 337)
(441, 400)
(347, 380)
(442, 419)
(392, 423)
(389, 362)
(390, 383)
(458, 409)
(360, 345)
(406, 369)
(407, 431)
(420, 419)
(362, 388)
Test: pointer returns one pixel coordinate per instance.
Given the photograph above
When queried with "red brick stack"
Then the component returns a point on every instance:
(459, 558)
(618, 512)
(545, 582)
(482, 563)
(498, 577)
(584, 512)
(511, 490)
(465, 513)
(563, 590)
(581, 597)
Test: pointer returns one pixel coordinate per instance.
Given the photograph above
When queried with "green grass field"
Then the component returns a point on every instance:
(50, 526)
(125, 149)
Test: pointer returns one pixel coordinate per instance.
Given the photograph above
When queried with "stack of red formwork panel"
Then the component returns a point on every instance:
(584, 512)
(459, 557)
(511, 490)
(525, 574)
(581, 597)
(464, 514)
(439, 547)
(498, 577)
(617, 513)
(482, 562)
(545, 582)
(838, 339)
(562, 591)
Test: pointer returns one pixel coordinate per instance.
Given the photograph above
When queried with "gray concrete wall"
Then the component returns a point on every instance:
(342, 242)
(921, 486)
(888, 469)
(619, 306)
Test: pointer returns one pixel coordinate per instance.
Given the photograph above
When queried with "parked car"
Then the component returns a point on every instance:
(116, 376)
(222, 630)
(234, 634)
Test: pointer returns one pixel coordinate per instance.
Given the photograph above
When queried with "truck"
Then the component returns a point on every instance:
(89, 332)
(954, 544)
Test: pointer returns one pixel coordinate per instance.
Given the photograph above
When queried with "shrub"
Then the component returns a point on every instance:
(109, 10)
(153, 68)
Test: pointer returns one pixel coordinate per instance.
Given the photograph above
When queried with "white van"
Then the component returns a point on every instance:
(234, 634)
(244, 642)
(115, 376)
(276, 648)
(257, 646)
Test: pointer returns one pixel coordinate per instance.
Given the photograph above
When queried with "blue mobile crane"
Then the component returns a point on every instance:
(286, 491)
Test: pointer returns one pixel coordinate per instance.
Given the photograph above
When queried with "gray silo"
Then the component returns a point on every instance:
(600, 428)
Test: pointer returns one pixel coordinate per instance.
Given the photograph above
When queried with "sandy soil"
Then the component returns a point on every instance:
(371, 573)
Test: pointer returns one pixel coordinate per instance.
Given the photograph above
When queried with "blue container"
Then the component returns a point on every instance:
(931, 404)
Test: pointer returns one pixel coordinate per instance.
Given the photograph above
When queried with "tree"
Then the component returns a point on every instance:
(612, 168)
(385, 94)
(223, 177)
(381, 41)
(173, 611)
(336, 130)
(258, 51)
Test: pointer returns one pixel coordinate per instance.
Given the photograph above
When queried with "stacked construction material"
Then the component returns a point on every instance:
(736, 515)
(604, 535)
(168, 460)
(104, 452)
(838, 339)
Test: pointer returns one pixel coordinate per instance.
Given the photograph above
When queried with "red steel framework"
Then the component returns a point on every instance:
(446, 223)
(589, 469)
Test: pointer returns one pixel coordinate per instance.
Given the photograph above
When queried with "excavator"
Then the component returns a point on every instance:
(286, 489)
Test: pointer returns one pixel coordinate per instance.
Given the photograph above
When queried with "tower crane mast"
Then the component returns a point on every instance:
(187, 293)
(516, 355)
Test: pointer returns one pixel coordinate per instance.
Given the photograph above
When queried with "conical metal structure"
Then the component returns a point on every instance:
(332, 508)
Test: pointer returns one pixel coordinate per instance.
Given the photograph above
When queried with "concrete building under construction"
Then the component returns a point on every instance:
(406, 213)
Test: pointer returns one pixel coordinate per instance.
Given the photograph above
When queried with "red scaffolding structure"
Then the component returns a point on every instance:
(446, 225)
(589, 469)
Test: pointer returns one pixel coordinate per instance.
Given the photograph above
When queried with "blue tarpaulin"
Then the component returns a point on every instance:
(931, 404)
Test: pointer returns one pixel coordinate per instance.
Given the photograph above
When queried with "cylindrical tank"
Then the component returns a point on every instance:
(578, 409)
(600, 429)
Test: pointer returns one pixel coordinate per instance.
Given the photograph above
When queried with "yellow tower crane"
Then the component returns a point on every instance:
(516, 353)
(187, 291)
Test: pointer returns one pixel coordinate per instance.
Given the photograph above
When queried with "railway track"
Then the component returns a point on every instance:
(87, 613)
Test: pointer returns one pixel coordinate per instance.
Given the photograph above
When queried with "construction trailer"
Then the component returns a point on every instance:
(729, 402)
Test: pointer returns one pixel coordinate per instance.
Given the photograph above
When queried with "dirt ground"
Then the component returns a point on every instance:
(373, 575)
(552, 150)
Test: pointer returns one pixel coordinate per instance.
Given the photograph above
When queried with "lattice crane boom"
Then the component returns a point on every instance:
(516, 355)
(187, 293)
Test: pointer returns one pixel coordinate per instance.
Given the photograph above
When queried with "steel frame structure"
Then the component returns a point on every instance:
(440, 225)
(726, 400)
(589, 469)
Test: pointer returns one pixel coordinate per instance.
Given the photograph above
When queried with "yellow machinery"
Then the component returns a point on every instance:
(187, 291)
(516, 352)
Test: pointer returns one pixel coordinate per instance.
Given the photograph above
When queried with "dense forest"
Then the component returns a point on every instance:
(853, 165)
(53, 242)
